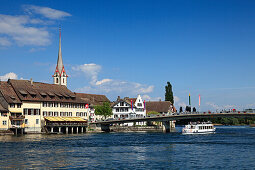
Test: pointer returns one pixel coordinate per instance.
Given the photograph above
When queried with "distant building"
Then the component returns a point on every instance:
(162, 107)
(129, 108)
(93, 99)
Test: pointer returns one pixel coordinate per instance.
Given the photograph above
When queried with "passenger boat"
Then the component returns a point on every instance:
(198, 128)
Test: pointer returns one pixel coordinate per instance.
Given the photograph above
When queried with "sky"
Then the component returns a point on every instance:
(130, 47)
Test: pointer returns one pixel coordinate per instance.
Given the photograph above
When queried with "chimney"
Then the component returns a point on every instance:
(31, 81)
(118, 98)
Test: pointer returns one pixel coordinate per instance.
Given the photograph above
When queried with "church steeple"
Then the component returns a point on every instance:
(60, 75)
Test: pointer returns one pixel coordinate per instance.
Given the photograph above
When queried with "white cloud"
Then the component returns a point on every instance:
(7, 76)
(176, 99)
(16, 27)
(149, 98)
(91, 71)
(107, 85)
(4, 41)
(29, 29)
(224, 107)
(46, 12)
(148, 89)
(178, 102)
(103, 81)
(213, 105)
(32, 50)
(117, 87)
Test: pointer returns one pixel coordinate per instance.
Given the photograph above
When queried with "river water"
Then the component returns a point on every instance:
(229, 148)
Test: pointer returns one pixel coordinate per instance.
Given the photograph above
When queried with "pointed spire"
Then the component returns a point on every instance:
(60, 75)
(60, 65)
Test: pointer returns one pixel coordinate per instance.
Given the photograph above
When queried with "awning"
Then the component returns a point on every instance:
(65, 119)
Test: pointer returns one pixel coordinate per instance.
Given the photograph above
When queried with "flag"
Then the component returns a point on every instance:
(144, 104)
(189, 99)
(199, 100)
(131, 104)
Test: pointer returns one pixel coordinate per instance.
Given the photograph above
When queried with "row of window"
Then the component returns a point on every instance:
(69, 114)
(122, 110)
(126, 110)
(37, 121)
(205, 127)
(57, 114)
(126, 116)
(13, 105)
(64, 105)
(31, 111)
(4, 122)
(4, 114)
(139, 110)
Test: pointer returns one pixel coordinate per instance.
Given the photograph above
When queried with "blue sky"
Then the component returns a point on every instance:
(134, 47)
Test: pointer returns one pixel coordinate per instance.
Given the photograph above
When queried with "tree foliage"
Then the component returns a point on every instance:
(153, 113)
(103, 110)
(181, 109)
(188, 109)
(169, 93)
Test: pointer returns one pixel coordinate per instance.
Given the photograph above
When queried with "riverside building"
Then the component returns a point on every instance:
(28, 106)
(129, 108)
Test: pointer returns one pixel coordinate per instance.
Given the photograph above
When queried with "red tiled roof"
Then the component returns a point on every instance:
(37, 91)
(94, 99)
(158, 106)
(8, 93)
(2, 108)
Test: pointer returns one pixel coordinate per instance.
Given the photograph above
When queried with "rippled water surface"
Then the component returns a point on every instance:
(230, 147)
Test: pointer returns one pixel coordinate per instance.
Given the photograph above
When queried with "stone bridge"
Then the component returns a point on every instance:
(167, 119)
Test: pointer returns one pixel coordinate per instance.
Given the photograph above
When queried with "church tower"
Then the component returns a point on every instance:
(60, 75)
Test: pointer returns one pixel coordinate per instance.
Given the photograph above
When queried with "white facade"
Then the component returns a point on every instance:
(129, 108)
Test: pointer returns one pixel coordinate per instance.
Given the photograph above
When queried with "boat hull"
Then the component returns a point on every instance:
(193, 133)
(199, 128)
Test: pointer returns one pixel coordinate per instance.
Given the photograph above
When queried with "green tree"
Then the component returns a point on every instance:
(153, 113)
(103, 110)
(169, 93)
(181, 110)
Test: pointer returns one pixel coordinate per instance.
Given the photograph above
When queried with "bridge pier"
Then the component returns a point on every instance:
(105, 127)
(168, 126)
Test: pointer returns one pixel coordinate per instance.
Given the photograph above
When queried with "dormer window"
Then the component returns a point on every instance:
(51, 94)
(23, 93)
(32, 93)
(43, 94)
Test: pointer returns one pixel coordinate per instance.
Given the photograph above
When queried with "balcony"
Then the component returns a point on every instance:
(20, 117)
(18, 126)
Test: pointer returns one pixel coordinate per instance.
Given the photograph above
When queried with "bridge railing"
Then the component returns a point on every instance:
(172, 114)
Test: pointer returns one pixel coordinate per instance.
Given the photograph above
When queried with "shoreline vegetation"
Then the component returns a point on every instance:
(223, 121)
